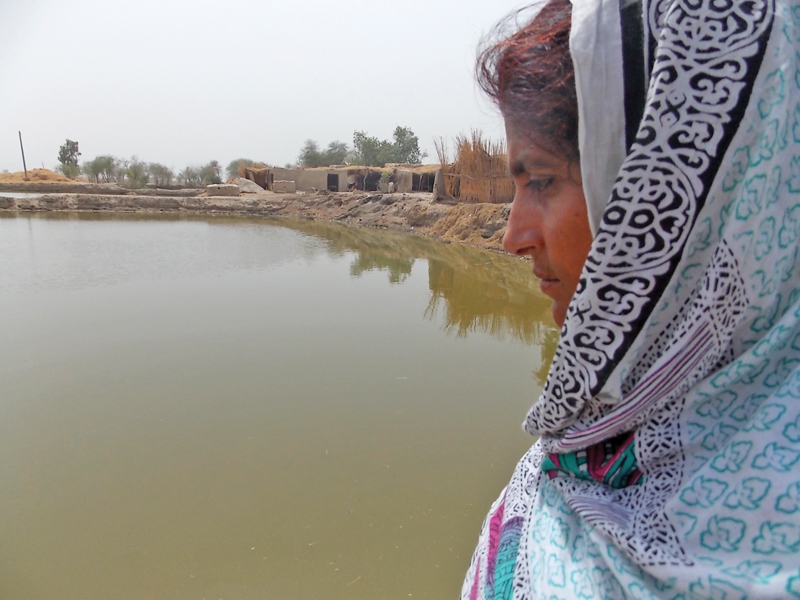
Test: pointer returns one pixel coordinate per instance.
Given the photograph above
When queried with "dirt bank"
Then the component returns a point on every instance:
(481, 225)
(84, 187)
(47, 182)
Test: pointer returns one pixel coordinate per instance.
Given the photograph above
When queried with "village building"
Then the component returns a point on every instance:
(406, 178)
(477, 173)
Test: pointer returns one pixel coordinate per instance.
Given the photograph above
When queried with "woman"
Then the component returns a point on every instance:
(658, 195)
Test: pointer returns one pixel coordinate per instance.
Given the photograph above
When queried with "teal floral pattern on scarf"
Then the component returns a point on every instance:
(669, 457)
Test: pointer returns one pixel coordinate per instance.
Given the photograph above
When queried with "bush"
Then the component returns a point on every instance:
(69, 170)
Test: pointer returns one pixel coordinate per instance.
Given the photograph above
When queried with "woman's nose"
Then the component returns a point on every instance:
(522, 232)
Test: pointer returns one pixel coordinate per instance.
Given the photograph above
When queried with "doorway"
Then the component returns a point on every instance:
(333, 182)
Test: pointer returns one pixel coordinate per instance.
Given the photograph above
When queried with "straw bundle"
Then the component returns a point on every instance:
(243, 168)
(478, 173)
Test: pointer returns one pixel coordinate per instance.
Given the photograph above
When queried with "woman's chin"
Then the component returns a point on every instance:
(559, 313)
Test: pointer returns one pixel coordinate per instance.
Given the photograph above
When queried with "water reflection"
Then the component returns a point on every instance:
(476, 290)
(237, 408)
(399, 268)
(470, 290)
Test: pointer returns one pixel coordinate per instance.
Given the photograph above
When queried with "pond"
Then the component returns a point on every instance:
(232, 408)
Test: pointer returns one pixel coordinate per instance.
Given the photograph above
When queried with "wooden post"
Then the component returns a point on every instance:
(24, 166)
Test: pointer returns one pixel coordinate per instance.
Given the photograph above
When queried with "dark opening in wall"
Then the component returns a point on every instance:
(423, 182)
(364, 180)
(371, 181)
(333, 182)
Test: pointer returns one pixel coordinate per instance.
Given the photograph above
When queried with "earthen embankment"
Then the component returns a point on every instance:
(481, 225)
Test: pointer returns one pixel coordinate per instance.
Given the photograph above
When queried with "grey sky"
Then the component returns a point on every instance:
(183, 82)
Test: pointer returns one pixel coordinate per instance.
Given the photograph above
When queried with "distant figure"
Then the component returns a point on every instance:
(391, 187)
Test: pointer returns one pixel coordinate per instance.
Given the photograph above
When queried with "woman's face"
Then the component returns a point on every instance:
(548, 221)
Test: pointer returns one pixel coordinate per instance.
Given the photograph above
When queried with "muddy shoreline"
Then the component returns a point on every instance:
(479, 225)
(79, 187)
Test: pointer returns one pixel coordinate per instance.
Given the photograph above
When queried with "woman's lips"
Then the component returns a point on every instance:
(547, 283)
(549, 286)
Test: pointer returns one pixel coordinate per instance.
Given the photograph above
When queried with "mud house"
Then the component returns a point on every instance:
(335, 180)
(262, 175)
(414, 178)
(407, 178)
(274, 178)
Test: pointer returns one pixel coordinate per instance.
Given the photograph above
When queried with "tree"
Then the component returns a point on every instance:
(160, 174)
(217, 168)
(210, 173)
(190, 176)
(310, 156)
(122, 166)
(137, 173)
(108, 167)
(68, 155)
(103, 168)
(373, 152)
(92, 170)
(336, 153)
(407, 146)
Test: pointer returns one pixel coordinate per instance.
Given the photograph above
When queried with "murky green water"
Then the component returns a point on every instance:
(240, 409)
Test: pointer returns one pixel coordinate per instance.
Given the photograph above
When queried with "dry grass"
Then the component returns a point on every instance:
(420, 169)
(478, 172)
(242, 169)
(35, 175)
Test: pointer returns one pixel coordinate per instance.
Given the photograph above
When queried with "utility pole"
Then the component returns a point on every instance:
(24, 166)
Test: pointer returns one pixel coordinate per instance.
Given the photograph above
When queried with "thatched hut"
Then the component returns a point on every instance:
(479, 171)
(366, 179)
(407, 178)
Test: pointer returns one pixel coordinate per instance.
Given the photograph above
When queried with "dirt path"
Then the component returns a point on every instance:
(480, 225)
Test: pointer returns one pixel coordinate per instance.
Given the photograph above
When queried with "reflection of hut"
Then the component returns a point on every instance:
(472, 290)
(479, 171)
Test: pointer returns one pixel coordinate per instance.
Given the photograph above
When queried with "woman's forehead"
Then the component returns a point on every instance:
(532, 151)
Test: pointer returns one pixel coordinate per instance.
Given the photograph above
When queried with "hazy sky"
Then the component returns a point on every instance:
(183, 82)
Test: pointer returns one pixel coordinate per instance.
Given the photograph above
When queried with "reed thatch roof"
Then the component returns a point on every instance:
(478, 172)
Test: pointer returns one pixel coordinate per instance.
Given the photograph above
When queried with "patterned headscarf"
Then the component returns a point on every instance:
(669, 459)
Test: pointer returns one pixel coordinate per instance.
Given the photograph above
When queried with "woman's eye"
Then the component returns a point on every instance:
(540, 184)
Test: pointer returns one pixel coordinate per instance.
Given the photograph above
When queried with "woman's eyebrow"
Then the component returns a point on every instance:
(518, 167)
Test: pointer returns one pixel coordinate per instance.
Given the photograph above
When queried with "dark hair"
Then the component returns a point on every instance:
(530, 75)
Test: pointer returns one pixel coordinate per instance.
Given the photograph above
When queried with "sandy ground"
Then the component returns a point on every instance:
(480, 225)
(35, 175)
